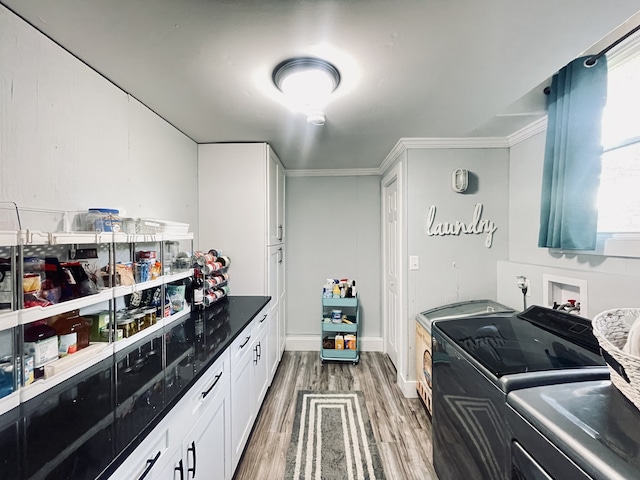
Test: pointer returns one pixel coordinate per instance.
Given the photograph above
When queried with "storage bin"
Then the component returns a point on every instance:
(611, 329)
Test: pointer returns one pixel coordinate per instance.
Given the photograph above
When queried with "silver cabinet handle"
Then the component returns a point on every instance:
(280, 255)
(280, 232)
(246, 340)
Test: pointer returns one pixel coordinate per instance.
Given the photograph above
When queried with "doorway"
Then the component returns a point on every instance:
(392, 267)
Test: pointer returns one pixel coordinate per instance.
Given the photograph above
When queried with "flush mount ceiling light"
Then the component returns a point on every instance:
(307, 82)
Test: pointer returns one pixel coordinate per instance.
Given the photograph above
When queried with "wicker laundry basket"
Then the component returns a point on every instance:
(611, 328)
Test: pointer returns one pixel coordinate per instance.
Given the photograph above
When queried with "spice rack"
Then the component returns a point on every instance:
(36, 255)
(333, 347)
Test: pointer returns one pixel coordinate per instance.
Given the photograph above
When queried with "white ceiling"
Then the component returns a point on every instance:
(414, 68)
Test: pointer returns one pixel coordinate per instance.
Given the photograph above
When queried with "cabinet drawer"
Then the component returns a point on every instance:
(261, 320)
(188, 411)
(241, 346)
(147, 461)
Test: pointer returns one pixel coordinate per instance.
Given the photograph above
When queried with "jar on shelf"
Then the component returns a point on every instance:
(41, 343)
(126, 325)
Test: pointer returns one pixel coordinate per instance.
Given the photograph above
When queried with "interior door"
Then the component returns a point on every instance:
(391, 267)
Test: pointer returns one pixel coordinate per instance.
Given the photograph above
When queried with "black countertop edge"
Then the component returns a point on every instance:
(242, 310)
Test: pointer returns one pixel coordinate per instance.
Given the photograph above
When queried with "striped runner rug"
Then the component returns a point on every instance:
(332, 439)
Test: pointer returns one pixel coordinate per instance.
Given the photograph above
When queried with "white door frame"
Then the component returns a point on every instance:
(396, 173)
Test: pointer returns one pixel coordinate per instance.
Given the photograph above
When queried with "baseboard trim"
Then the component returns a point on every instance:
(311, 343)
(407, 387)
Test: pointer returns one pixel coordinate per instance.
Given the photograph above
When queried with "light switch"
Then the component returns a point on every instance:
(414, 262)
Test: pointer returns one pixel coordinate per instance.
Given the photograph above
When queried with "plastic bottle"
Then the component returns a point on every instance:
(336, 291)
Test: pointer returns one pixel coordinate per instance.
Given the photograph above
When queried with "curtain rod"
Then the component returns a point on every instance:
(592, 60)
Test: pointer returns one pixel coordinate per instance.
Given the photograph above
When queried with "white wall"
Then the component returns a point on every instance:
(70, 139)
(438, 281)
(611, 282)
(333, 231)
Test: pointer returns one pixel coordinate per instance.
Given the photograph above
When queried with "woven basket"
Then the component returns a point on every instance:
(611, 328)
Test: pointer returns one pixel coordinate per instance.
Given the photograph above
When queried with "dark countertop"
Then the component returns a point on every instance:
(591, 423)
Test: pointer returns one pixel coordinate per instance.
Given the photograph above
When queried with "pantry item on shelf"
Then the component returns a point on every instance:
(6, 375)
(31, 283)
(78, 282)
(329, 343)
(103, 220)
(339, 342)
(176, 295)
(336, 316)
(350, 342)
(6, 284)
(99, 326)
(124, 272)
(50, 292)
(40, 342)
(149, 316)
(336, 291)
(73, 332)
(126, 325)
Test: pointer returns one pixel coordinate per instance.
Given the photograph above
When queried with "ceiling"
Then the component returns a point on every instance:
(414, 68)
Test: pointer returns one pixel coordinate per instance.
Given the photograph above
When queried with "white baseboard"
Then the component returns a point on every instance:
(407, 387)
(311, 343)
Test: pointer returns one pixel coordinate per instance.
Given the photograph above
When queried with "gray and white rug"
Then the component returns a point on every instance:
(332, 439)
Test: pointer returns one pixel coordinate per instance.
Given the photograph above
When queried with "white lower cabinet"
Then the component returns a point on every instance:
(204, 435)
(261, 348)
(249, 380)
(205, 454)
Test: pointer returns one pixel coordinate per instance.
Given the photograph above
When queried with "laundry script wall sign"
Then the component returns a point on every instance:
(476, 226)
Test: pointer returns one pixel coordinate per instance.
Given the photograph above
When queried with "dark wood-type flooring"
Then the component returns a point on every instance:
(401, 426)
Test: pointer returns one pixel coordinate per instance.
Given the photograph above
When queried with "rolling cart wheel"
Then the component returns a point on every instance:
(355, 362)
(322, 360)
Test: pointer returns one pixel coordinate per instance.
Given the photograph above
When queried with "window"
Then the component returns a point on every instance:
(619, 195)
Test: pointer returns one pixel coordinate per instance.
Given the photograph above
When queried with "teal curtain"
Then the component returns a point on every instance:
(571, 174)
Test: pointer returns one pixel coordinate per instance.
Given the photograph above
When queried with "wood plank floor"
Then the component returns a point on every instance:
(401, 426)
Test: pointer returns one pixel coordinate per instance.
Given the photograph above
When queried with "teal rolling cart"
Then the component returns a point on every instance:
(350, 332)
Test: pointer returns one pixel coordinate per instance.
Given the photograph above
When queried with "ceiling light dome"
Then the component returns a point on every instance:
(307, 82)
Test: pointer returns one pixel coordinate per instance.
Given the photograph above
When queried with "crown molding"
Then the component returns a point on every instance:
(530, 130)
(407, 143)
(398, 149)
(339, 172)
(456, 142)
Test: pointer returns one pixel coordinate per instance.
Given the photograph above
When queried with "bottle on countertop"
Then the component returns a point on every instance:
(353, 289)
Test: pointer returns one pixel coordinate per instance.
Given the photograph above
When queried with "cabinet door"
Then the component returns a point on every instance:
(281, 301)
(206, 453)
(281, 205)
(243, 403)
(261, 363)
(274, 222)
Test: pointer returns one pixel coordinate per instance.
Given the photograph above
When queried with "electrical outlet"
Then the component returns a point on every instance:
(414, 262)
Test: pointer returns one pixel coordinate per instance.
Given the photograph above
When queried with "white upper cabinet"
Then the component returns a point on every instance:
(241, 209)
